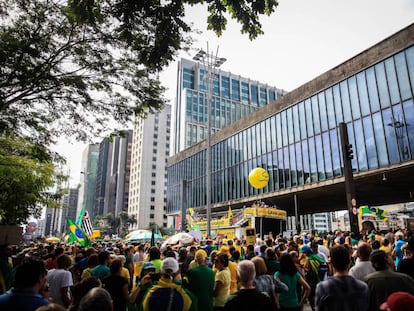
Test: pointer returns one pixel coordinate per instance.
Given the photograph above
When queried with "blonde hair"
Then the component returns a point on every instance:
(259, 265)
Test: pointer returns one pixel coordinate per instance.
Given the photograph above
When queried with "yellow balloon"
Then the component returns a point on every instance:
(259, 178)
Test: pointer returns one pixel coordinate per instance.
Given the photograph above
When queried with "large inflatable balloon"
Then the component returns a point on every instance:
(259, 178)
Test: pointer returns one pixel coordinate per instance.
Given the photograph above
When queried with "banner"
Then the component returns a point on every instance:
(77, 234)
(269, 212)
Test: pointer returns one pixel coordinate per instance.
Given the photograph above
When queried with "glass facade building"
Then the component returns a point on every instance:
(298, 142)
(233, 97)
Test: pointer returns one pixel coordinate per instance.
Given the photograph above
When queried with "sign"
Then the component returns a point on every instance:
(229, 233)
(215, 223)
(251, 236)
(269, 212)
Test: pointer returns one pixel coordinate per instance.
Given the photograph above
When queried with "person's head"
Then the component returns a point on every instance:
(287, 266)
(147, 267)
(306, 249)
(263, 248)
(246, 272)
(375, 245)
(30, 274)
(270, 253)
(236, 255)
(116, 266)
(96, 299)
(154, 253)
(200, 256)
(398, 301)
(340, 258)
(295, 256)
(51, 307)
(250, 248)
(103, 257)
(380, 260)
(92, 260)
(364, 251)
(213, 256)
(222, 261)
(169, 267)
(63, 261)
(259, 265)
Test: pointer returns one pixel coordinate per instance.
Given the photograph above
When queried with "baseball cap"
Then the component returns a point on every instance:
(306, 249)
(399, 301)
(200, 254)
(148, 265)
(169, 264)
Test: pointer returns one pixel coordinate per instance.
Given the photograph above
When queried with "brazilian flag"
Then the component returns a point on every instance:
(77, 234)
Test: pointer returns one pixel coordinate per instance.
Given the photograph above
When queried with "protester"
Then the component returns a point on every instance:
(398, 301)
(385, 281)
(341, 292)
(146, 281)
(406, 265)
(289, 275)
(60, 280)
(92, 263)
(97, 299)
(222, 281)
(363, 265)
(247, 298)
(397, 252)
(200, 281)
(101, 271)
(80, 289)
(29, 278)
(117, 286)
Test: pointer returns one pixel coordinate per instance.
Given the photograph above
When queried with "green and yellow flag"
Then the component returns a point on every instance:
(77, 234)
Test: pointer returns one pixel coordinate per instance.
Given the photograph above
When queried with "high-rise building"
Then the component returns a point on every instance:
(233, 97)
(88, 179)
(148, 180)
(70, 202)
(112, 177)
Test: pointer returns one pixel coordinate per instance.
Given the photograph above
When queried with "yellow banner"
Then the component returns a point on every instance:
(269, 212)
(215, 223)
(229, 233)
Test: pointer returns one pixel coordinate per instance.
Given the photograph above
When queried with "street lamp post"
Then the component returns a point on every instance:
(210, 63)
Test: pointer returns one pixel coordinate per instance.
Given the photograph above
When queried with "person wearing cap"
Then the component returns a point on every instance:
(385, 281)
(167, 295)
(342, 291)
(398, 301)
(145, 282)
(200, 281)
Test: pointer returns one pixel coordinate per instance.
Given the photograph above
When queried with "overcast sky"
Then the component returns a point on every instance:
(303, 39)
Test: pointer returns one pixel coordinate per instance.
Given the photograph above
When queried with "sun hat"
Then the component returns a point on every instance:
(399, 301)
(169, 264)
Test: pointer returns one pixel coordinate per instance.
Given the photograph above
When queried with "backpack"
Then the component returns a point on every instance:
(318, 270)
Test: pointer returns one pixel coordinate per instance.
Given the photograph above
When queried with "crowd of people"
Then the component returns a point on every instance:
(334, 272)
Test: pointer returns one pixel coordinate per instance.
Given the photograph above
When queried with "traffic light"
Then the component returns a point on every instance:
(349, 152)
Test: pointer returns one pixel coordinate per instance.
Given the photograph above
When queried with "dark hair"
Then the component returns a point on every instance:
(375, 245)
(340, 257)
(92, 260)
(236, 255)
(270, 253)
(287, 266)
(379, 260)
(250, 247)
(115, 266)
(63, 261)
(224, 259)
(103, 257)
(154, 253)
(263, 248)
(28, 273)
(96, 299)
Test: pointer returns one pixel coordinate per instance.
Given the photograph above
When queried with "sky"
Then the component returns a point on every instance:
(302, 40)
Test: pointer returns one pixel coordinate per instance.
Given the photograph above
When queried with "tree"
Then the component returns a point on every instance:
(27, 174)
(73, 67)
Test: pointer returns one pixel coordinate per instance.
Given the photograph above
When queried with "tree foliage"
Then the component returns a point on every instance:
(73, 67)
(26, 175)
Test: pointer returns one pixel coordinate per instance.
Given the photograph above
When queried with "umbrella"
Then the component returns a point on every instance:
(182, 237)
(52, 240)
(141, 236)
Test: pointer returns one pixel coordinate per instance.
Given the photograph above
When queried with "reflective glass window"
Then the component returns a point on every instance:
(370, 143)
(275, 171)
(363, 93)
(400, 127)
(408, 107)
(254, 95)
(336, 153)
(402, 74)
(312, 160)
(273, 132)
(351, 139)
(410, 64)
(322, 111)
(392, 81)
(330, 109)
(258, 140)
(216, 85)
(235, 89)
(264, 137)
(270, 168)
(338, 104)
(284, 128)
(346, 107)
(305, 156)
(272, 96)
(299, 166)
(319, 158)
(290, 126)
(309, 119)
(353, 95)
(263, 96)
(188, 78)
(361, 155)
(245, 93)
(315, 115)
(278, 131)
(382, 85)
(281, 168)
(225, 87)
(372, 89)
(292, 165)
(296, 123)
(302, 119)
(327, 155)
(390, 136)
(245, 145)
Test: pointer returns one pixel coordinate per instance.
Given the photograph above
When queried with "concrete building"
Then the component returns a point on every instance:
(233, 98)
(296, 139)
(70, 202)
(148, 180)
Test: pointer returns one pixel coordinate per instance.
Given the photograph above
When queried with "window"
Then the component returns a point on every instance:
(152, 207)
(152, 199)
(152, 216)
